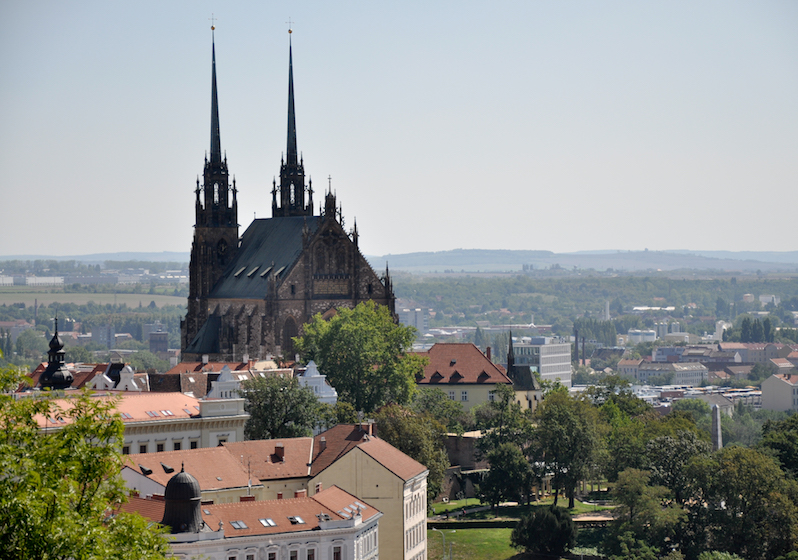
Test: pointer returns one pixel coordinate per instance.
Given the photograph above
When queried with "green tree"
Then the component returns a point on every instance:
(418, 436)
(340, 413)
(501, 420)
(696, 407)
(60, 490)
(509, 478)
(566, 440)
(739, 501)
(549, 531)
(668, 457)
(75, 354)
(364, 354)
(279, 407)
(780, 438)
(644, 521)
(147, 361)
(435, 402)
(32, 345)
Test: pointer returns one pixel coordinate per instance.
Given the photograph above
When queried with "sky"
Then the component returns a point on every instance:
(548, 125)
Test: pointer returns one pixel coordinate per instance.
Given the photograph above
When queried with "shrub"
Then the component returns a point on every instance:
(545, 531)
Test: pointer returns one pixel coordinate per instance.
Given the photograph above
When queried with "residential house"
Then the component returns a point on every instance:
(780, 392)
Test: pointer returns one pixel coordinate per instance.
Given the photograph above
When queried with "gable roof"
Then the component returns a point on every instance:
(344, 438)
(460, 364)
(215, 468)
(271, 244)
(260, 456)
(330, 501)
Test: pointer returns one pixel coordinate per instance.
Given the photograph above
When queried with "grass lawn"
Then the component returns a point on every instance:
(513, 512)
(492, 544)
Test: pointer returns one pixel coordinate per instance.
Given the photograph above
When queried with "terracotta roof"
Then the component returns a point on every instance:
(460, 364)
(261, 457)
(790, 378)
(343, 438)
(329, 501)
(144, 407)
(782, 362)
(215, 468)
(199, 367)
(81, 373)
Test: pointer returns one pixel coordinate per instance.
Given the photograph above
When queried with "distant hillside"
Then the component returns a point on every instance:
(473, 260)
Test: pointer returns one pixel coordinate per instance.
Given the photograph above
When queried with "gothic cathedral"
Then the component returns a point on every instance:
(249, 296)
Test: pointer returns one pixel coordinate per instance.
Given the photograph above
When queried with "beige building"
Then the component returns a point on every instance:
(465, 374)
(780, 392)
(157, 422)
(352, 458)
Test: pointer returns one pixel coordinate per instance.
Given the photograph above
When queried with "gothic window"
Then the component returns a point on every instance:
(289, 331)
(221, 252)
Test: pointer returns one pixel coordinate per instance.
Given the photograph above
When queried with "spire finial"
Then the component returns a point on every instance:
(216, 144)
(213, 21)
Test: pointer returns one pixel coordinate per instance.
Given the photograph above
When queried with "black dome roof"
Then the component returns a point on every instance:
(182, 486)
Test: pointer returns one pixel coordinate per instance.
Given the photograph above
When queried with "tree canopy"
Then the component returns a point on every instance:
(60, 490)
(364, 354)
(279, 407)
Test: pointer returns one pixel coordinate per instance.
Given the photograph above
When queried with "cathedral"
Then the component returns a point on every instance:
(249, 295)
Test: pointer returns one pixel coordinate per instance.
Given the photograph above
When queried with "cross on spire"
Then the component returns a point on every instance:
(289, 22)
(213, 21)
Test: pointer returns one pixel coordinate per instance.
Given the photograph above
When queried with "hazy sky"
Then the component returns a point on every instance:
(555, 125)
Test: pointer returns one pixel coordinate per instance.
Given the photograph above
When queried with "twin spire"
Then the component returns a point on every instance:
(291, 197)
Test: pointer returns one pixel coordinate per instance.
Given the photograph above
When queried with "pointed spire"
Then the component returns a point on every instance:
(216, 143)
(291, 150)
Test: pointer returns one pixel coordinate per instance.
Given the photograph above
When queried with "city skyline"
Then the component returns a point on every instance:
(553, 126)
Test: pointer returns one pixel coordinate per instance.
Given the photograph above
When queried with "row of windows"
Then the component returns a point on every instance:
(463, 396)
(415, 535)
(414, 505)
(177, 445)
(309, 554)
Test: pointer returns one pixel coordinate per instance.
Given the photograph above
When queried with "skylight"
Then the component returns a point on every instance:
(239, 525)
(268, 522)
(242, 269)
(253, 271)
(296, 520)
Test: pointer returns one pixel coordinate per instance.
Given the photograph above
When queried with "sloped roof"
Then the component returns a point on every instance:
(460, 364)
(207, 339)
(200, 367)
(344, 438)
(215, 468)
(271, 242)
(260, 456)
(142, 407)
(329, 501)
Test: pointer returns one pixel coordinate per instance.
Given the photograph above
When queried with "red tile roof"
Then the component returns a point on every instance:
(344, 438)
(460, 364)
(215, 468)
(261, 457)
(198, 367)
(330, 501)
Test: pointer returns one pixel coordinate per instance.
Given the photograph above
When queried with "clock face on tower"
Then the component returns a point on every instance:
(221, 251)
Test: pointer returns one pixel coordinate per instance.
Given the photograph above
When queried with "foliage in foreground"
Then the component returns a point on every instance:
(60, 490)
(279, 407)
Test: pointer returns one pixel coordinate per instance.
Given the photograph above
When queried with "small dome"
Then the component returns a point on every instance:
(56, 344)
(182, 486)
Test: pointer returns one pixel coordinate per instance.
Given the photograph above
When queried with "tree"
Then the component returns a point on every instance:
(739, 501)
(781, 440)
(332, 415)
(566, 440)
(698, 408)
(419, 436)
(75, 354)
(436, 403)
(60, 490)
(279, 407)
(364, 354)
(668, 457)
(643, 514)
(549, 531)
(501, 420)
(509, 478)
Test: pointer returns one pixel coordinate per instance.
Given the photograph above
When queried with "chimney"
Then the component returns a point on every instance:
(245, 358)
(204, 358)
(300, 494)
(487, 353)
(323, 443)
(246, 498)
(279, 450)
(158, 497)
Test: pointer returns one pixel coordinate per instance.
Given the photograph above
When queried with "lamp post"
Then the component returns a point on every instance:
(443, 535)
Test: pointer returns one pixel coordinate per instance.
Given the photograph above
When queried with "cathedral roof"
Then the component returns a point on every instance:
(268, 247)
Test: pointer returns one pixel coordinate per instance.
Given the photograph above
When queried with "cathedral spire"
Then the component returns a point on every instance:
(216, 143)
(291, 150)
(295, 198)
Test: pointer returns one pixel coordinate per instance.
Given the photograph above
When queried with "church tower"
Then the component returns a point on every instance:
(216, 223)
(292, 188)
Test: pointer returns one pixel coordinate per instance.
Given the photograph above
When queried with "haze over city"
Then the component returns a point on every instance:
(513, 125)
